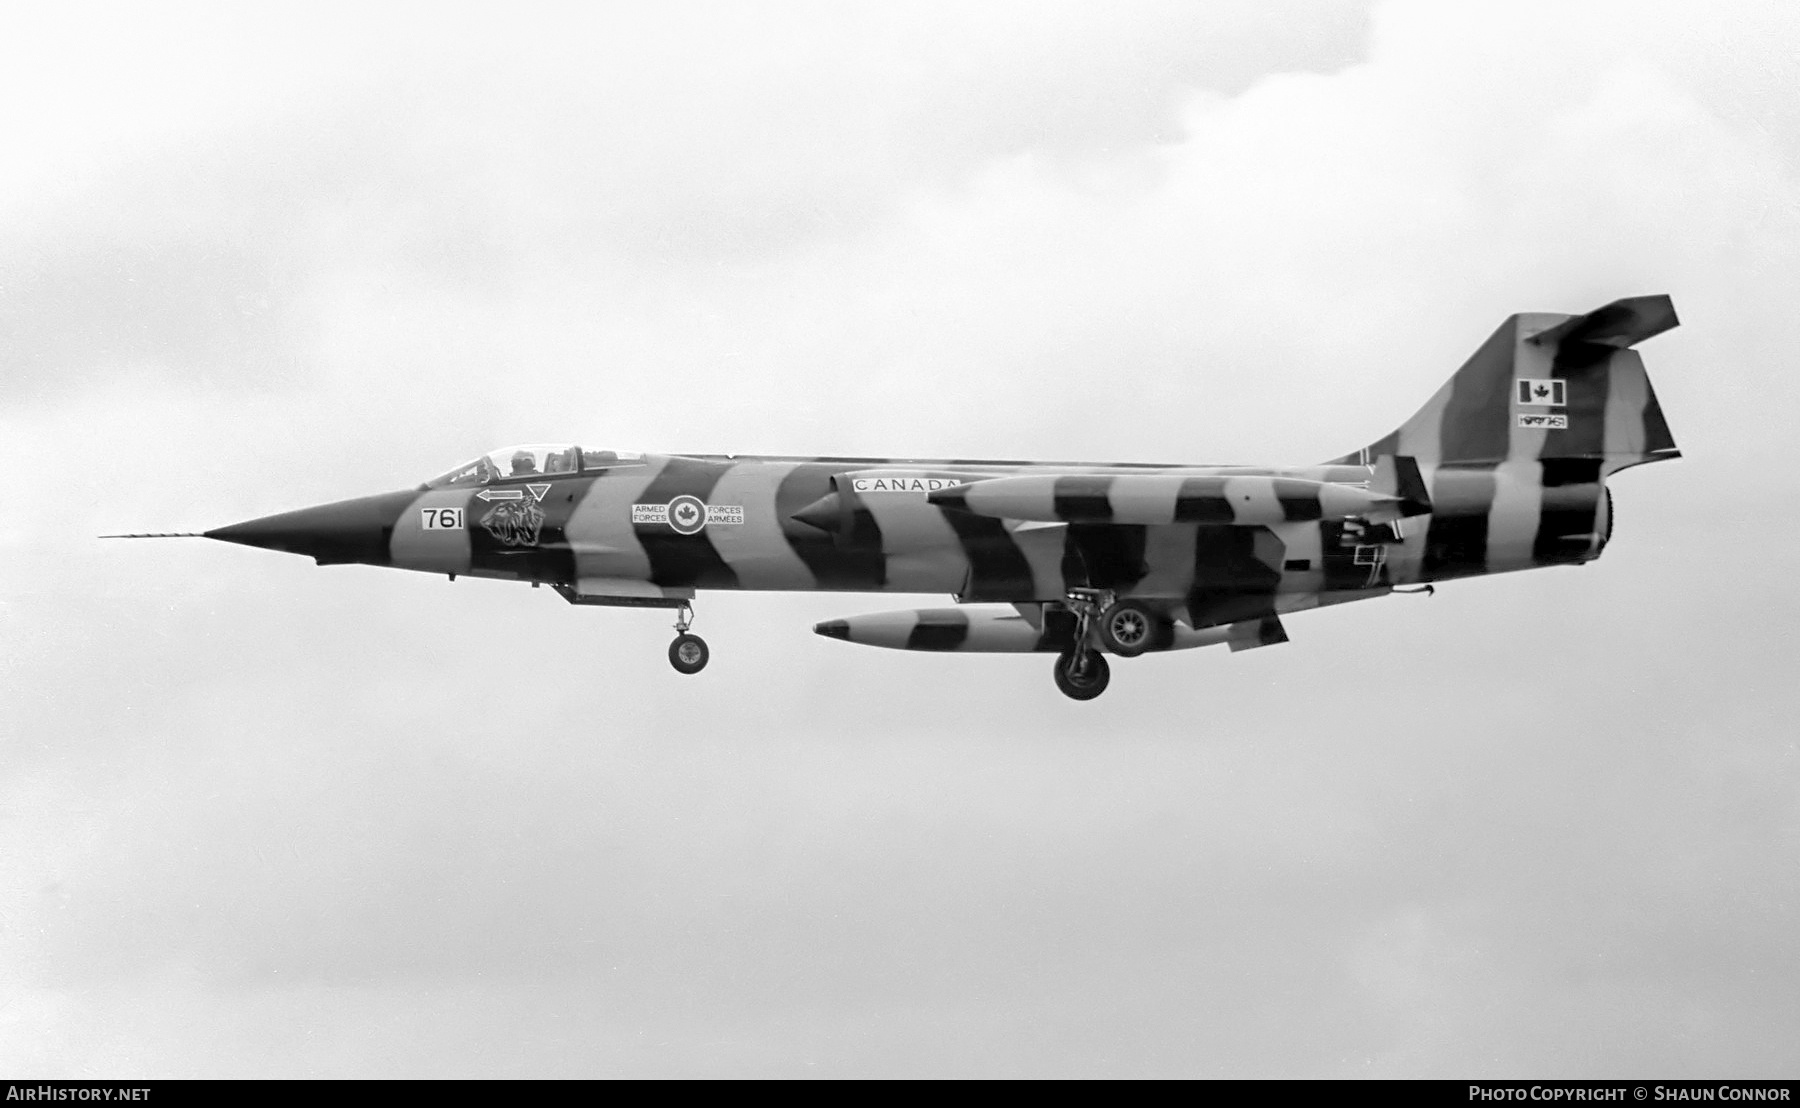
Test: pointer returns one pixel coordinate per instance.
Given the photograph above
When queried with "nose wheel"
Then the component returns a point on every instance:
(688, 653)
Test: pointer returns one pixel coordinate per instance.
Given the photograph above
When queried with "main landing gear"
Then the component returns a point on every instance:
(688, 653)
(1126, 627)
(1082, 673)
(1102, 623)
(1123, 627)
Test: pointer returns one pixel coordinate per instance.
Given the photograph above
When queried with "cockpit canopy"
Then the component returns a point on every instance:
(533, 461)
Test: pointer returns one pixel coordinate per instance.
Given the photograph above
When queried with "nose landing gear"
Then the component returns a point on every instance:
(688, 653)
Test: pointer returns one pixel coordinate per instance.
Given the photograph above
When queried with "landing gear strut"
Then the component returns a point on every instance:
(688, 653)
(1081, 671)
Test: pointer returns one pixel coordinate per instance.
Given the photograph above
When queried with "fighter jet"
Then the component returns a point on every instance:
(1504, 468)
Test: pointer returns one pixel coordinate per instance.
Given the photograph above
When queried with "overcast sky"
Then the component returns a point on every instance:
(263, 818)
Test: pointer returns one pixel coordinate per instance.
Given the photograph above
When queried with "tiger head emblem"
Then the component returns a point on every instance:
(514, 522)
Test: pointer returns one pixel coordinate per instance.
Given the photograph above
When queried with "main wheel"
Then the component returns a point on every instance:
(688, 653)
(1082, 675)
(1126, 628)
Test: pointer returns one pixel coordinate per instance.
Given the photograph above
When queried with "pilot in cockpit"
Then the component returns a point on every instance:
(523, 464)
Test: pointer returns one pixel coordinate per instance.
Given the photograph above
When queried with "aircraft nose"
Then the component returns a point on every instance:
(331, 534)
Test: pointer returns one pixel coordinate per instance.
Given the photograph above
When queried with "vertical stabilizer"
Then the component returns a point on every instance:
(1546, 386)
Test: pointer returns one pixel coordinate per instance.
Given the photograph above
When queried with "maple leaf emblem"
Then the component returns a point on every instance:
(686, 514)
(1543, 390)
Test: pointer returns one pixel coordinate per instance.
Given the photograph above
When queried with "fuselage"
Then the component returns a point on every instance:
(666, 525)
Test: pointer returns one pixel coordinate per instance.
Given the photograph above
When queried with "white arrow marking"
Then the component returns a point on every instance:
(502, 494)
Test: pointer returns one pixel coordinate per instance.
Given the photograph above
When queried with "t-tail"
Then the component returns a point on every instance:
(1514, 450)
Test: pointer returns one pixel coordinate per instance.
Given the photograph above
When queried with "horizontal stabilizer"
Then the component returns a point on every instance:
(1621, 324)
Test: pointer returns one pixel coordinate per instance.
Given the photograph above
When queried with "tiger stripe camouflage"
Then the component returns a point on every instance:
(1503, 469)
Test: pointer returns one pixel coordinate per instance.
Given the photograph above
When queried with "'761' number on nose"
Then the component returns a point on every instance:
(442, 519)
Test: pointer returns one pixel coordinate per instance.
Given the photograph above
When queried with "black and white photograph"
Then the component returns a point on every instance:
(1196, 539)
